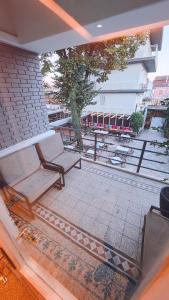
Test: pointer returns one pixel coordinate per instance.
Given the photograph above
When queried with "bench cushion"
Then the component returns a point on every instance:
(51, 147)
(18, 165)
(36, 184)
(66, 160)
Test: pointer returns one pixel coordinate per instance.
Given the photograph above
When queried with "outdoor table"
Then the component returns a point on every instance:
(101, 131)
(69, 147)
(128, 131)
(122, 150)
(100, 145)
(116, 160)
(127, 136)
(90, 151)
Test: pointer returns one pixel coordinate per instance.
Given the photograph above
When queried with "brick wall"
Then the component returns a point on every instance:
(23, 112)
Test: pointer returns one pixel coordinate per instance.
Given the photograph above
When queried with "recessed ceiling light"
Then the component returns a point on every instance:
(99, 25)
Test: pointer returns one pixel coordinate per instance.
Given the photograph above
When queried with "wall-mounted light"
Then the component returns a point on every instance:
(99, 25)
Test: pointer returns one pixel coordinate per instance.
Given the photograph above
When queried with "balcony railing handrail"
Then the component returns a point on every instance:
(110, 134)
(142, 150)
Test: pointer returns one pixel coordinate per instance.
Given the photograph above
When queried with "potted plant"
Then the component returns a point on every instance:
(136, 121)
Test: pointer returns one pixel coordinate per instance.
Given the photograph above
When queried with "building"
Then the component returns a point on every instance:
(161, 87)
(124, 91)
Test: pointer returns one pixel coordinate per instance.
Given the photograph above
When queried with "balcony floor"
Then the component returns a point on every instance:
(105, 205)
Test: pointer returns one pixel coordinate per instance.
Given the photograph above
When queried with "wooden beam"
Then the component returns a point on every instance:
(114, 116)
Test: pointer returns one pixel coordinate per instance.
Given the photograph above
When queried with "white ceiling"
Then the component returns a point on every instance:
(32, 25)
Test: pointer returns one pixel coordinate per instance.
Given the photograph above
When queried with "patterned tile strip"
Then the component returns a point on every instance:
(89, 243)
(100, 280)
(140, 185)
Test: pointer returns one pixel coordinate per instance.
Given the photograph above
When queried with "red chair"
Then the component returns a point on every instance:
(128, 129)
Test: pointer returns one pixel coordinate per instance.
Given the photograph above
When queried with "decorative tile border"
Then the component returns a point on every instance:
(126, 180)
(99, 279)
(97, 248)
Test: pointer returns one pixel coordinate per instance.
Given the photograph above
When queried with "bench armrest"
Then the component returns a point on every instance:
(53, 167)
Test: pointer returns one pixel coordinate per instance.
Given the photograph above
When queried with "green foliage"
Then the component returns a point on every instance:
(165, 144)
(76, 81)
(166, 129)
(136, 121)
(76, 69)
(46, 64)
(167, 115)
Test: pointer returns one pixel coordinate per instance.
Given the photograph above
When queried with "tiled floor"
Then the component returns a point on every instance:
(108, 203)
(83, 273)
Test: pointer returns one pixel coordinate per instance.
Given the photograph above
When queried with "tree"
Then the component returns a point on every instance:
(77, 69)
(136, 121)
(165, 130)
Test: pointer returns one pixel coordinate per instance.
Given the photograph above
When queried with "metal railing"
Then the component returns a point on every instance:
(138, 155)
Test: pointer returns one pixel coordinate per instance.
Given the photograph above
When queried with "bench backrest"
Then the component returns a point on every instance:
(19, 165)
(50, 147)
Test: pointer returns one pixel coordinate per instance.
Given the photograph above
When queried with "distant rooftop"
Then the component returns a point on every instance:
(157, 107)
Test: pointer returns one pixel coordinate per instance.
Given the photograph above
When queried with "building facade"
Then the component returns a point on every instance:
(124, 91)
(161, 87)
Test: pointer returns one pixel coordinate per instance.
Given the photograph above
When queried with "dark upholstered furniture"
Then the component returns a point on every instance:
(155, 238)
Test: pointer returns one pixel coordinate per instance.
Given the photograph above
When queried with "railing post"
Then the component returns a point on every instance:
(95, 146)
(69, 135)
(141, 156)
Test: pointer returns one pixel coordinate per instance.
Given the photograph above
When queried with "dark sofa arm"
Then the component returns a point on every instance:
(159, 209)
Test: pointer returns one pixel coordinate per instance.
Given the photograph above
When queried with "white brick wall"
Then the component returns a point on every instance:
(23, 112)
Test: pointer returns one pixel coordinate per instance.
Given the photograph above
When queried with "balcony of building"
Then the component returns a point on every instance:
(148, 58)
(89, 235)
(82, 240)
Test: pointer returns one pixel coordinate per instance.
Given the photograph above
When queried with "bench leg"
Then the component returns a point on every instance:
(59, 184)
(63, 179)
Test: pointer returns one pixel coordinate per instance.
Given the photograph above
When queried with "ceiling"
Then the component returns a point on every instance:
(44, 25)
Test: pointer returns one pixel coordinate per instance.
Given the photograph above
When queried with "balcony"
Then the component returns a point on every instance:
(98, 206)
(88, 235)
(149, 60)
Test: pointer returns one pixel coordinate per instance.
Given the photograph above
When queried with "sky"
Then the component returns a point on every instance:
(163, 56)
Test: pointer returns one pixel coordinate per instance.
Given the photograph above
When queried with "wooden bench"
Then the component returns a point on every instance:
(54, 157)
(23, 177)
